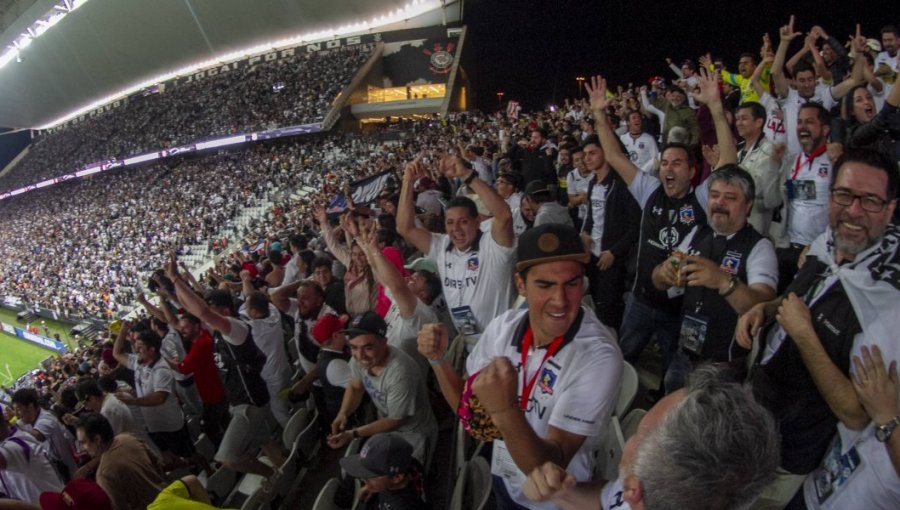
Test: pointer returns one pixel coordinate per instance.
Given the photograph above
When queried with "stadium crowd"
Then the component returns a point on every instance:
(290, 91)
(731, 218)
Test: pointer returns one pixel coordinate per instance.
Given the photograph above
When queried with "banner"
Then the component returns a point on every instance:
(366, 190)
(47, 343)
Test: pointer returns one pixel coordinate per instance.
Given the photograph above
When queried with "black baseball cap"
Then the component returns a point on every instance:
(382, 455)
(367, 323)
(550, 242)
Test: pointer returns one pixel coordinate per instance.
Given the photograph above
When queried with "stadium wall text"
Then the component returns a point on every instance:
(47, 343)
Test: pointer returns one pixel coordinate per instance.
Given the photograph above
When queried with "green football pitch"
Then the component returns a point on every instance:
(18, 356)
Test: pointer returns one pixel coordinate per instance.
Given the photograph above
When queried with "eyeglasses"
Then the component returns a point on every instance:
(869, 203)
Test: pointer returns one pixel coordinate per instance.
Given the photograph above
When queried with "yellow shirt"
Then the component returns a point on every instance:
(748, 94)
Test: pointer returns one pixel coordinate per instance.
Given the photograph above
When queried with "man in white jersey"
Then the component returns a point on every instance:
(805, 88)
(547, 376)
(640, 146)
(806, 177)
(709, 445)
(886, 62)
(577, 183)
(25, 466)
(475, 269)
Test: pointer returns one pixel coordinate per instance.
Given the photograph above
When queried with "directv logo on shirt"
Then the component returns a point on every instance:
(460, 284)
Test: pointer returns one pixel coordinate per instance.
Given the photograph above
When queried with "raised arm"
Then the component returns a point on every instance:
(119, 345)
(406, 209)
(501, 226)
(619, 161)
(786, 34)
(710, 96)
(386, 273)
(857, 75)
(281, 298)
(341, 252)
(194, 304)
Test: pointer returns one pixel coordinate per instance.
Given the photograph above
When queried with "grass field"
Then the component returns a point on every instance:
(18, 356)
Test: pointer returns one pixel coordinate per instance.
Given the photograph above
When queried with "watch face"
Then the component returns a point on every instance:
(882, 433)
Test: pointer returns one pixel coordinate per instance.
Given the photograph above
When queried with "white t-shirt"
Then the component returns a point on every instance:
(575, 184)
(774, 129)
(576, 389)
(642, 151)
(885, 58)
(29, 471)
(173, 348)
(402, 333)
(58, 437)
(269, 337)
(598, 212)
(291, 271)
(514, 201)
(119, 416)
(166, 417)
(808, 211)
(791, 107)
(477, 283)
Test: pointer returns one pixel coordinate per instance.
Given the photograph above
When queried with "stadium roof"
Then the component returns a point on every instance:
(106, 46)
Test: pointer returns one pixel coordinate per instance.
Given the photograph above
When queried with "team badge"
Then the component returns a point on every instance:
(641, 145)
(440, 57)
(686, 214)
(823, 171)
(472, 263)
(731, 263)
(547, 380)
(669, 236)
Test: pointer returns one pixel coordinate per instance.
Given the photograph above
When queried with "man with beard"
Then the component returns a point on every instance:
(846, 292)
(806, 88)
(728, 269)
(806, 179)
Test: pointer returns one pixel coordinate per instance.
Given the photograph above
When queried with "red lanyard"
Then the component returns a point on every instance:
(812, 156)
(528, 384)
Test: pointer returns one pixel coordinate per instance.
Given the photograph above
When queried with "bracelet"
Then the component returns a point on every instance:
(436, 362)
(468, 180)
(732, 286)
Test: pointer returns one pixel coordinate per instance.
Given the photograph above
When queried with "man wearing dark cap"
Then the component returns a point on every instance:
(391, 475)
(547, 376)
(393, 381)
(547, 209)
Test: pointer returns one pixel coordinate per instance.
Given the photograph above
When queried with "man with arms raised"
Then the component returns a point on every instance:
(671, 208)
(547, 376)
(475, 268)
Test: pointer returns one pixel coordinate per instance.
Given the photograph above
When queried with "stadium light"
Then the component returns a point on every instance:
(416, 8)
(37, 28)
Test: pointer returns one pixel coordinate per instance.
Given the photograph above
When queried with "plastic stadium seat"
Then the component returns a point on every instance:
(628, 389)
(220, 484)
(609, 456)
(298, 421)
(325, 499)
(473, 486)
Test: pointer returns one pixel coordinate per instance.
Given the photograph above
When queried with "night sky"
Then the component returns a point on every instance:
(533, 50)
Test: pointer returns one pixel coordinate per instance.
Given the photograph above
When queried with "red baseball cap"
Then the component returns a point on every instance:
(327, 326)
(78, 494)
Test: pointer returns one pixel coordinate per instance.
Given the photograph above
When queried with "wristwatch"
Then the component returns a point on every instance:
(732, 286)
(883, 432)
(354, 434)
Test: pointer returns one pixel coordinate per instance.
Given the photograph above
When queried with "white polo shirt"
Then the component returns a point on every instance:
(811, 180)
(166, 417)
(477, 283)
(575, 390)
